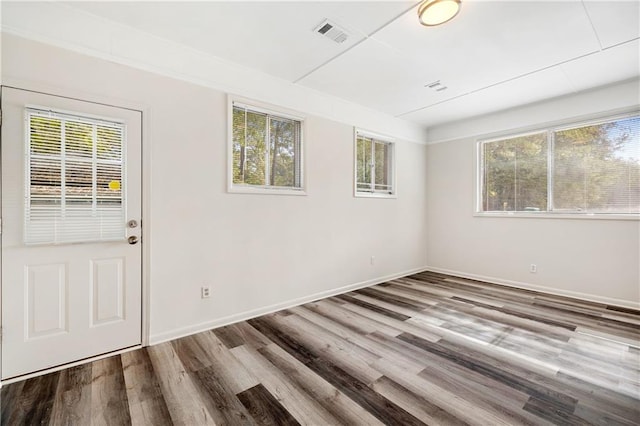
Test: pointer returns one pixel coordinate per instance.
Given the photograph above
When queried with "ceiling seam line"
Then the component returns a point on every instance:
(584, 6)
(498, 83)
(366, 37)
(621, 43)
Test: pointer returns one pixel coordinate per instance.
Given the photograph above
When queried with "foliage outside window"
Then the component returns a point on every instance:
(74, 179)
(374, 166)
(267, 150)
(588, 169)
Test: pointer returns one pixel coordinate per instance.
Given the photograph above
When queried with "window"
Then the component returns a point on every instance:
(588, 169)
(374, 166)
(74, 179)
(266, 150)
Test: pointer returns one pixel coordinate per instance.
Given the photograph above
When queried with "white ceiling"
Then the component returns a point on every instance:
(494, 55)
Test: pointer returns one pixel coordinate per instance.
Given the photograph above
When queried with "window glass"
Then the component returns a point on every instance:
(374, 166)
(266, 150)
(515, 174)
(592, 168)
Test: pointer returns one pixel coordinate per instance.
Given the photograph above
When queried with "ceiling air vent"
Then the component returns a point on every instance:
(332, 31)
(436, 85)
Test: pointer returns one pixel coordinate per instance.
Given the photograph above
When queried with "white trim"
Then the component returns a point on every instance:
(208, 325)
(146, 117)
(542, 289)
(69, 365)
(381, 195)
(256, 106)
(552, 215)
(265, 190)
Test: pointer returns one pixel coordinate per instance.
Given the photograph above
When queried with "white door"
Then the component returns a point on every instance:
(71, 211)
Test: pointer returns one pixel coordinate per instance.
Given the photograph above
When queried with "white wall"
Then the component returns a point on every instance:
(589, 258)
(258, 252)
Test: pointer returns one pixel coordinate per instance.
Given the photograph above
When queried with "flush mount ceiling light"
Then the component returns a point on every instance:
(436, 12)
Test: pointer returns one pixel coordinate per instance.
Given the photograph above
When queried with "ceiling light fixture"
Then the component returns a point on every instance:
(436, 12)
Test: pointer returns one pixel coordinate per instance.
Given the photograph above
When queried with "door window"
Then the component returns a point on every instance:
(75, 182)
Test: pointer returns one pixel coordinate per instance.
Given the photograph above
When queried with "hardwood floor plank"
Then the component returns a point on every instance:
(404, 326)
(373, 307)
(11, 408)
(300, 352)
(386, 411)
(603, 418)
(264, 408)
(522, 384)
(109, 403)
(192, 354)
(34, 403)
(235, 375)
(401, 301)
(182, 397)
(552, 412)
(296, 401)
(222, 403)
(454, 404)
(229, 336)
(396, 309)
(338, 404)
(146, 402)
(362, 341)
(356, 323)
(332, 349)
(417, 406)
(73, 397)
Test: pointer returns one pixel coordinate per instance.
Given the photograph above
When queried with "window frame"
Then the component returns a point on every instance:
(550, 131)
(276, 112)
(391, 142)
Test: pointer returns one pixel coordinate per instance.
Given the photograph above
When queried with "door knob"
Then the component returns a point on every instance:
(132, 223)
(132, 239)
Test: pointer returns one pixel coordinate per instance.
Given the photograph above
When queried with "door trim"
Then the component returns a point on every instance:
(145, 117)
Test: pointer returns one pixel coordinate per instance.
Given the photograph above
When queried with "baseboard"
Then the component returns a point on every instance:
(542, 289)
(154, 339)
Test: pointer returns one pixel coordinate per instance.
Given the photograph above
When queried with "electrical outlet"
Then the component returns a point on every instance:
(533, 268)
(205, 291)
(373, 260)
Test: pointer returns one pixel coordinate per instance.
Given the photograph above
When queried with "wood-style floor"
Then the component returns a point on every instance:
(425, 349)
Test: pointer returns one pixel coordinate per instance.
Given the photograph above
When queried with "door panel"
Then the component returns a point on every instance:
(63, 302)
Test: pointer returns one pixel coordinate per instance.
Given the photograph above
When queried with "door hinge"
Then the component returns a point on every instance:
(0, 226)
(0, 118)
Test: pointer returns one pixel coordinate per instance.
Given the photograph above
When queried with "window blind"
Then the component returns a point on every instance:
(74, 182)
(597, 168)
(592, 168)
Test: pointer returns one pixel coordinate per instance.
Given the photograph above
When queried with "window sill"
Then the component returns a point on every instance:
(265, 190)
(374, 195)
(548, 215)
